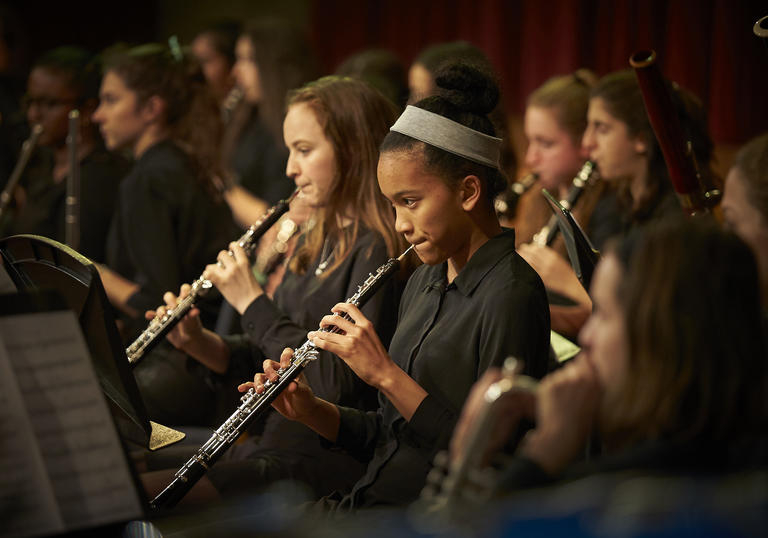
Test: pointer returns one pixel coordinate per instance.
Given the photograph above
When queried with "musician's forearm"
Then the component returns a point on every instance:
(118, 288)
(210, 350)
(324, 420)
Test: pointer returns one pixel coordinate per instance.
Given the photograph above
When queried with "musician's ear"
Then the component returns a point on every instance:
(470, 190)
(153, 108)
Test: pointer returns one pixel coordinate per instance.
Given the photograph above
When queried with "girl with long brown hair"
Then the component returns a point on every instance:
(333, 128)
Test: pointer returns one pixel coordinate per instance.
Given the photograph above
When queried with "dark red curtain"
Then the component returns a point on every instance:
(706, 46)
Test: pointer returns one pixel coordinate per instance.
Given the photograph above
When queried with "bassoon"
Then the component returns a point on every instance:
(676, 148)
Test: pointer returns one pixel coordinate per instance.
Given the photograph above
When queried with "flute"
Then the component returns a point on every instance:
(26, 152)
(584, 177)
(254, 404)
(159, 327)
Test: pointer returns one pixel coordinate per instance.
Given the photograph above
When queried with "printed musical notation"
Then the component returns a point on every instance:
(62, 466)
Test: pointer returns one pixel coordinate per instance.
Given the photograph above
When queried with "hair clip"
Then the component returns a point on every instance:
(176, 52)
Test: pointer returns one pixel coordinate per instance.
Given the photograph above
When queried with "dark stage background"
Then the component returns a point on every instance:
(705, 45)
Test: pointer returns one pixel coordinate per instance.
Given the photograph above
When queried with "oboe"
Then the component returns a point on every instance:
(255, 404)
(548, 233)
(26, 152)
(159, 327)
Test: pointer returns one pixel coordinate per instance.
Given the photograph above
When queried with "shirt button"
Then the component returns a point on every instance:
(250, 326)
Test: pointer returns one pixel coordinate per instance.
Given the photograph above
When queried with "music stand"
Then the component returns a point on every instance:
(583, 255)
(36, 263)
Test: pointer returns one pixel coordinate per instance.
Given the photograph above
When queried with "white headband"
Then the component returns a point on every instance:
(439, 131)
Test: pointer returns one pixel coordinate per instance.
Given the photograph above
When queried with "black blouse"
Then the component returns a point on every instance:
(259, 162)
(446, 337)
(166, 228)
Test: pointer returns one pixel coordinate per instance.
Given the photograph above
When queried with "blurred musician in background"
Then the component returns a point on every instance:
(745, 204)
(214, 49)
(62, 80)
(272, 57)
(170, 221)
(555, 120)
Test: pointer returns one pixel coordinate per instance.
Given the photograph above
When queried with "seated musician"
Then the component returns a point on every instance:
(473, 303)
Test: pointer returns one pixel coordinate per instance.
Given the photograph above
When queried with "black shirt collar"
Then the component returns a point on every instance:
(481, 262)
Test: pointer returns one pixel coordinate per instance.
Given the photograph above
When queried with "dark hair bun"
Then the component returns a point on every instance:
(467, 88)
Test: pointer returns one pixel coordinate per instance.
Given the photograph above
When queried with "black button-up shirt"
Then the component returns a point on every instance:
(447, 336)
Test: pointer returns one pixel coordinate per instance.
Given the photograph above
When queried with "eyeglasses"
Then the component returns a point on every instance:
(45, 103)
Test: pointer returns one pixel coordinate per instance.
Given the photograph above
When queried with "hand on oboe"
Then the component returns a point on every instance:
(296, 401)
(189, 329)
(356, 342)
(233, 277)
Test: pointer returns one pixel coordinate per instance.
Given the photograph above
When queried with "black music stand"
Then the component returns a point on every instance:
(37, 263)
(583, 255)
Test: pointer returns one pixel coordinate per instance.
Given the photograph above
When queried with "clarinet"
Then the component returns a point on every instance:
(255, 404)
(505, 203)
(584, 177)
(26, 152)
(159, 327)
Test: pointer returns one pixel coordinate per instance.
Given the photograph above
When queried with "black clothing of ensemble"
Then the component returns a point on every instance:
(446, 337)
(289, 449)
(649, 457)
(167, 227)
(100, 174)
(259, 162)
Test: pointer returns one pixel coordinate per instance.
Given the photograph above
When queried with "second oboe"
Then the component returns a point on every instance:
(254, 404)
(160, 326)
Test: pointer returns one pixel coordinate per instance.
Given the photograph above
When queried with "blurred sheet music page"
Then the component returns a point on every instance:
(62, 466)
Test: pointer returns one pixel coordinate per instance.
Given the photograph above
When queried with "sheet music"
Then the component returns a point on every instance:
(75, 435)
(27, 502)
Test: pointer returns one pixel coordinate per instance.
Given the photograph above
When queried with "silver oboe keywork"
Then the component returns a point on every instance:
(160, 326)
(254, 404)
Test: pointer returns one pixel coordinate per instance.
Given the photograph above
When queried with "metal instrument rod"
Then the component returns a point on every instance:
(72, 211)
(26, 152)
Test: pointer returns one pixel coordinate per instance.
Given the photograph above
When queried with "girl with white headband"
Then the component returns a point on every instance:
(472, 304)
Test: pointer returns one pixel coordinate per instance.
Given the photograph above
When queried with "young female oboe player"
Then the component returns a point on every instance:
(473, 303)
(333, 128)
